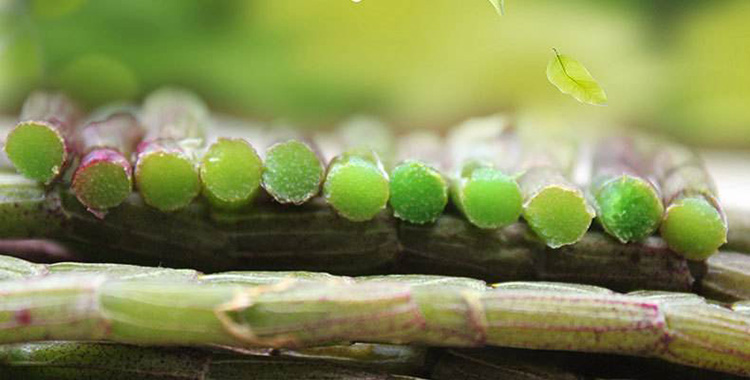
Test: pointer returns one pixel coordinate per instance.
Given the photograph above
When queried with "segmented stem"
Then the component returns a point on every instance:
(426, 310)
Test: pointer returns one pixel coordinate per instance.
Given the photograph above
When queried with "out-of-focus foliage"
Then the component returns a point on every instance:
(674, 65)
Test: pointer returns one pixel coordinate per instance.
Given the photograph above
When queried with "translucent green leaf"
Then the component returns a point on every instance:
(572, 78)
(499, 6)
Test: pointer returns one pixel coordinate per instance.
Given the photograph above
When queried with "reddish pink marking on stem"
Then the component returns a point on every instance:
(23, 317)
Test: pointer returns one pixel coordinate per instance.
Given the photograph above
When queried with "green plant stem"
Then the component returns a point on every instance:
(454, 247)
(104, 178)
(694, 223)
(738, 237)
(269, 236)
(356, 185)
(485, 195)
(628, 205)
(292, 172)
(76, 360)
(405, 309)
(43, 143)
(555, 209)
(728, 277)
(419, 191)
(166, 166)
(230, 173)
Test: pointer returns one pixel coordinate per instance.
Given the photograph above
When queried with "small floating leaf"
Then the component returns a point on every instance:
(572, 78)
(499, 6)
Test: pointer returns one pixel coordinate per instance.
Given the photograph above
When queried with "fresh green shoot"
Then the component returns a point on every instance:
(292, 172)
(230, 173)
(419, 192)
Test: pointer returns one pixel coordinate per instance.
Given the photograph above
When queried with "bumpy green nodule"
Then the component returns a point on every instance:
(487, 197)
(694, 228)
(167, 181)
(356, 186)
(419, 192)
(230, 173)
(558, 215)
(292, 172)
(102, 185)
(629, 208)
(36, 150)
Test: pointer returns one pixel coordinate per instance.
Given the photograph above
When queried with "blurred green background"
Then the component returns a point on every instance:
(673, 65)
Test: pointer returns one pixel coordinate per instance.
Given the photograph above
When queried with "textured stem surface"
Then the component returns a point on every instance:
(43, 143)
(292, 172)
(728, 277)
(356, 185)
(628, 205)
(230, 173)
(166, 166)
(269, 236)
(76, 360)
(694, 223)
(104, 178)
(555, 208)
(738, 237)
(486, 196)
(427, 310)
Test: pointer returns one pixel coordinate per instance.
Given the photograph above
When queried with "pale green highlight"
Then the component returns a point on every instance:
(167, 181)
(629, 208)
(36, 150)
(230, 173)
(102, 185)
(292, 172)
(419, 192)
(694, 228)
(558, 215)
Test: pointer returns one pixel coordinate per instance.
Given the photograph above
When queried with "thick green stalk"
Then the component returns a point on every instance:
(356, 185)
(269, 235)
(486, 196)
(404, 309)
(728, 277)
(555, 209)
(419, 192)
(454, 247)
(628, 205)
(104, 178)
(26, 211)
(166, 166)
(230, 173)
(43, 143)
(694, 223)
(480, 152)
(292, 172)
(74, 360)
